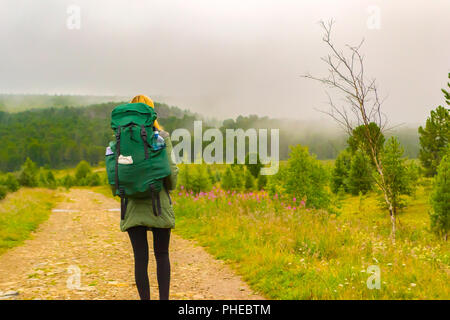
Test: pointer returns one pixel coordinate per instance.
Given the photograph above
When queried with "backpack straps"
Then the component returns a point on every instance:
(117, 158)
(123, 200)
(123, 204)
(168, 194)
(156, 201)
(144, 138)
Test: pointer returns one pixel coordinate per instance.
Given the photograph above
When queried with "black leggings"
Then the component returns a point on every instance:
(161, 237)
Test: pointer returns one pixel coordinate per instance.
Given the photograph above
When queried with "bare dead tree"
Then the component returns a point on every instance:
(362, 103)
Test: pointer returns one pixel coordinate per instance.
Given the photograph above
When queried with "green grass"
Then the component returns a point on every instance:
(287, 254)
(307, 254)
(21, 213)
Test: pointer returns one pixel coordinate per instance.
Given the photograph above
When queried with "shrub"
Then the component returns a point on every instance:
(93, 180)
(227, 181)
(397, 174)
(51, 181)
(302, 177)
(275, 183)
(238, 171)
(195, 178)
(3, 192)
(434, 139)
(28, 174)
(340, 172)
(68, 181)
(184, 176)
(249, 181)
(254, 168)
(440, 199)
(200, 180)
(11, 183)
(83, 169)
(42, 180)
(261, 182)
(210, 174)
(360, 179)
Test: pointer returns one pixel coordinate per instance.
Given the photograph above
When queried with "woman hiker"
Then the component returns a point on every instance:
(139, 218)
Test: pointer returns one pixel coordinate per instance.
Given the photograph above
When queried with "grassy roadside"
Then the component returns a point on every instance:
(306, 254)
(300, 254)
(21, 213)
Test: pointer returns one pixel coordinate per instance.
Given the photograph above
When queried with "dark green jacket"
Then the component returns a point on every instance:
(139, 211)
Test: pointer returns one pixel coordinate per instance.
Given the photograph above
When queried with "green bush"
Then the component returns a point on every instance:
(400, 178)
(440, 199)
(302, 177)
(253, 168)
(82, 170)
(3, 192)
(249, 181)
(28, 174)
(93, 180)
(42, 180)
(184, 177)
(360, 179)
(68, 181)
(11, 182)
(195, 178)
(238, 171)
(211, 175)
(51, 181)
(339, 175)
(227, 180)
(200, 179)
(306, 177)
(261, 182)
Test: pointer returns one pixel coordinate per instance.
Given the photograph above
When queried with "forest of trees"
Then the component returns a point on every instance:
(60, 137)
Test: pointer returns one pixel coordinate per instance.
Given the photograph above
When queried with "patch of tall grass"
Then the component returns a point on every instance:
(21, 213)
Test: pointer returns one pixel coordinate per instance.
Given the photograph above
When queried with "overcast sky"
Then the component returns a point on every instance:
(224, 58)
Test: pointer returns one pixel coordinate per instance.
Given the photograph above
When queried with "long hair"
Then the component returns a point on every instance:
(144, 99)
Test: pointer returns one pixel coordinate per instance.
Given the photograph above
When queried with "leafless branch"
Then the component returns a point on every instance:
(363, 105)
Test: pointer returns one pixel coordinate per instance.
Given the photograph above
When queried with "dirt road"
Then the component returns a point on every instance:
(80, 253)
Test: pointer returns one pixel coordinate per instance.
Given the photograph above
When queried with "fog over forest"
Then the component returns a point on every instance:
(224, 58)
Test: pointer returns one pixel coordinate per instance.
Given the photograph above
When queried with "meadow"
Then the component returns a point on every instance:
(282, 248)
(285, 250)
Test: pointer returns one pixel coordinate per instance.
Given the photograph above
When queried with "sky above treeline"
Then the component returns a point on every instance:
(224, 58)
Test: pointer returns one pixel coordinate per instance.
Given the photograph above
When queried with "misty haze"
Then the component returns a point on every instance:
(224, 58)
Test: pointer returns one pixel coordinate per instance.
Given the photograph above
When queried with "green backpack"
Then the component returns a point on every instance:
(135, 167)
